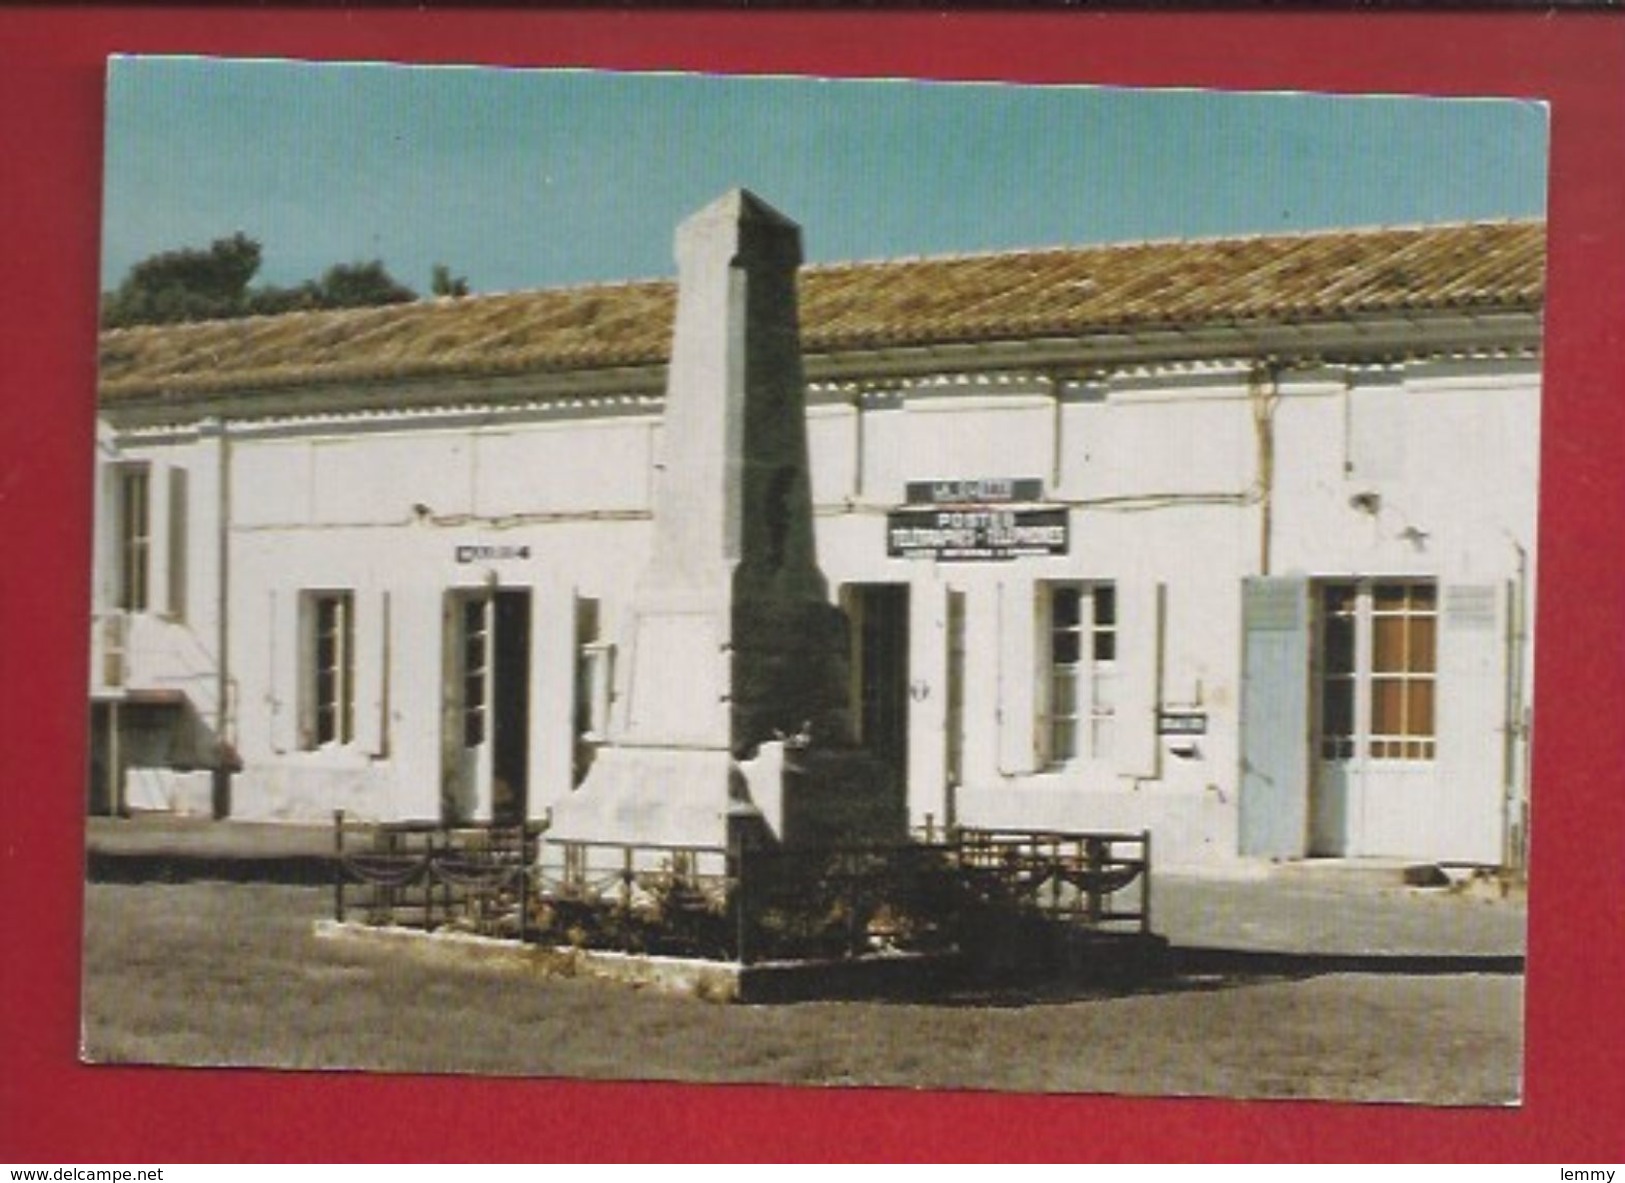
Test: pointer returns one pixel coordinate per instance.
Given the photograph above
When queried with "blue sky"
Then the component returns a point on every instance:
(519, 179)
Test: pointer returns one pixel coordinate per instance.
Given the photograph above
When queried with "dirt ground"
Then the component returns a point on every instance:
(1305, 990)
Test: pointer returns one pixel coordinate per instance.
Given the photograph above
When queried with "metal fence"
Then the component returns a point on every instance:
(429, 876)
(745, 903)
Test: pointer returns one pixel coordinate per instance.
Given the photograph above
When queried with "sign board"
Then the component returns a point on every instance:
(976, 533)
(998, 490)
(1181, 722)
(486, 553)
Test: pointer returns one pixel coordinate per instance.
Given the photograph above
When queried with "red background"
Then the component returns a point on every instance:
(54, 1110)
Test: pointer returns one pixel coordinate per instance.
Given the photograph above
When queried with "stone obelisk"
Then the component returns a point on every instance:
(729, 640)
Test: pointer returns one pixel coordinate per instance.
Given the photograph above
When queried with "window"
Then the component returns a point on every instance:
(1404, 641)
(1077, 694)
(134, 536)
(1379, 653)
(330, 680)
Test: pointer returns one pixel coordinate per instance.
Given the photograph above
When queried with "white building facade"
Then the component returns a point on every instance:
(1234, 541)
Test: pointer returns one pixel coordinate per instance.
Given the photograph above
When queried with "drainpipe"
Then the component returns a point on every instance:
(1515, 806)
(221, 795)
(1263, 395)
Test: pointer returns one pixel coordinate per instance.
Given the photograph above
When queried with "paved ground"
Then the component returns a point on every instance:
(1305, 981)
(1360, 913)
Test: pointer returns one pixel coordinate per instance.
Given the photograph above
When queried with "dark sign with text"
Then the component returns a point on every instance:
(1181, 722)
(485, 552)
(995, 490)
(976, 533)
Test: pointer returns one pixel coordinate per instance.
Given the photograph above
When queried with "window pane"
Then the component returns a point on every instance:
(1337, 708)
(1063, 695)
(1390, 597)
(1105, 597)
(1106, 645)
(1387, 706)
(1067, 648)
(1064, 607)
(1387, 644)
(1419, 711)
(1340, 598)
(1339, 655)
(1423, 642)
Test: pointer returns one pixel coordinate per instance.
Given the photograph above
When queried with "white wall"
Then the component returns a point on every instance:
(1161, 470)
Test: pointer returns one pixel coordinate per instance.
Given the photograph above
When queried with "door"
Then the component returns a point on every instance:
(487, 723)
(1376, 672)
(878, 617)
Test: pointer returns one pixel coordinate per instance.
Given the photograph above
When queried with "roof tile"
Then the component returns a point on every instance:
(856, 306)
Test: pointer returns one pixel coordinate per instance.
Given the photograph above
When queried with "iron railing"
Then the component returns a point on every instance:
(744, 903)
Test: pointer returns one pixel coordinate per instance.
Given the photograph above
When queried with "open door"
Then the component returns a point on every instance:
(486, 733)
(878, 615)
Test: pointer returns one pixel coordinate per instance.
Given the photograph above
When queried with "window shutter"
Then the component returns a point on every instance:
(287, 634)
(1021, 667)
(928, 697)
(1139, 648)
(177, 544)
(554, 663)
(371, 632)
(1472, 719)
(1275, 706)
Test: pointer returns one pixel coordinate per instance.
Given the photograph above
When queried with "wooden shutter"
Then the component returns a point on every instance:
(1020, 670)
(1275, 707)
(1139, 649)
(371, 632)
(1472, 696)
(287, 643)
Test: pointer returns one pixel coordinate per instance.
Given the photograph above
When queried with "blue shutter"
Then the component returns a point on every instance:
(1275, 706)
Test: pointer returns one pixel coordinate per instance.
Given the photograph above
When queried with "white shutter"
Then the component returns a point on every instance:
(159, 572)
(1472, 695)
(1275, 708)
(175, 551)
(554, 654)
(287, 643)
(1020, 672)
(1139, 649)
(371, 632)
(927, 700)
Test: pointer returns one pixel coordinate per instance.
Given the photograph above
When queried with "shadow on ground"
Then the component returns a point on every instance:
(1200, 970)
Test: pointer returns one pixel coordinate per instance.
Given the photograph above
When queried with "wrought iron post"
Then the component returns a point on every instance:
(1145, 881)
(338, 865)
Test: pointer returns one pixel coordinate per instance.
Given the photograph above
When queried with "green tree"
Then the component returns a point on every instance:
(361, 285)
(186, 284)
(210, 284)
(442, 283)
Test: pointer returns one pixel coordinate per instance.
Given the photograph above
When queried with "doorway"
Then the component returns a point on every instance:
(878, 618)
(487, 726)
(1376, 663)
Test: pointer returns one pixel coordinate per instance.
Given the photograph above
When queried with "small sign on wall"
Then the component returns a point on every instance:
(1181, 722)
(471, 552)
(997, 490)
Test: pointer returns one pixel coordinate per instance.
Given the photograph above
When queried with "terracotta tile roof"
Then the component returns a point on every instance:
(1056, 293)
